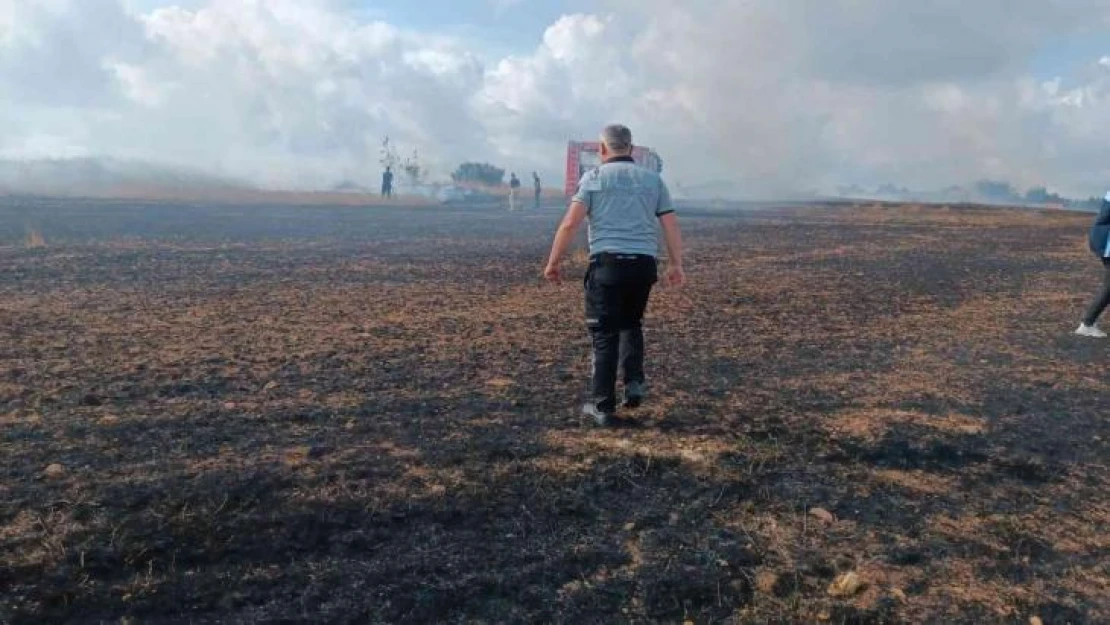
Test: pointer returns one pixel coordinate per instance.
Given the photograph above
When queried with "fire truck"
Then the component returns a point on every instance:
(583, 156)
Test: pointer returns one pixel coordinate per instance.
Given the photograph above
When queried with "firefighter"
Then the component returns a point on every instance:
(621, 201)
(514, 190)
(387, 183)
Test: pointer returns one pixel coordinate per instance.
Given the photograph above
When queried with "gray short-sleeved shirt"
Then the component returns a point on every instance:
(624, 203)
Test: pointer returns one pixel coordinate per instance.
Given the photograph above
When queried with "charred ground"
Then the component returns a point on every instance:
(267, 414)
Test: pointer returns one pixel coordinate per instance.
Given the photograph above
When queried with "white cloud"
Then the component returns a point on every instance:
(775, 96)
(501, 6)
(286, 92)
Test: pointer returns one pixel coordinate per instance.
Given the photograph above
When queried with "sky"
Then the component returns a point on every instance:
(762, 97)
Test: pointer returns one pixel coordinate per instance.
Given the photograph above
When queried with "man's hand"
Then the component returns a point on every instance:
(553, 273)
(576, 214)
(675, 276)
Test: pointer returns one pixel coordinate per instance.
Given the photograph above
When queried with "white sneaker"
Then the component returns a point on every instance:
(1090, 331)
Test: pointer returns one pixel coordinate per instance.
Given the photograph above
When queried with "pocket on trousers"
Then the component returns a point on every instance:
(595, 299)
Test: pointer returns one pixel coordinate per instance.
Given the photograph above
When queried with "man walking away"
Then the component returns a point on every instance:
(387, 183)
(1100, 245)
(514, 188)
(538, 186)
(622, 203)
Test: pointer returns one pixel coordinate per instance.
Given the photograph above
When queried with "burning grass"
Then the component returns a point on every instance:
(34, 240)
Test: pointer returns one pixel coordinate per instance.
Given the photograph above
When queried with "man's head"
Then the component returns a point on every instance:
(616, 140)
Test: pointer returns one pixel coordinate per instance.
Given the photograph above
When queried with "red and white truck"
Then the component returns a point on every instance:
(583, 156)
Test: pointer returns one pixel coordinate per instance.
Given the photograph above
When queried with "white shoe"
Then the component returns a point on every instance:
(1090, 331)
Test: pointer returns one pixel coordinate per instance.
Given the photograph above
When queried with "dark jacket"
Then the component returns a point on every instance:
(1100, 232)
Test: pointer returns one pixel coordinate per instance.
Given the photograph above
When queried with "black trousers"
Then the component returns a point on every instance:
(1102, 300)
(617, 290)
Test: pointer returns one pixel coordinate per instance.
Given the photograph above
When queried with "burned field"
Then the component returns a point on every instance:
(261, 414)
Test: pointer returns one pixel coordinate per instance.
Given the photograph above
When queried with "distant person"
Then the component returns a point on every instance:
(538, 187)
(622, 203)
(387, 183)
(1100, 245)
(514, 189)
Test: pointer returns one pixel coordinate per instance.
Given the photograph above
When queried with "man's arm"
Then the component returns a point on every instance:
(564, 236)
(672, 236)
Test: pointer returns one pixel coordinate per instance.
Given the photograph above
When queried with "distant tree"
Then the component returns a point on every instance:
(1091, 203)
(891, 190)
(479, 173)
(996, 190)
(1040, 195)
(413, 169)
(1036, 195)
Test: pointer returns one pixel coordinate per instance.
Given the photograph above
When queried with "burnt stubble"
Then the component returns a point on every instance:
(348, 415)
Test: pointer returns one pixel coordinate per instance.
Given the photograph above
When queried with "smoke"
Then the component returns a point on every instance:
(286, 93)
(773, 97)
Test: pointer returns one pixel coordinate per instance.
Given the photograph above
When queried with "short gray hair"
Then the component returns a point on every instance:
(617, 137)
